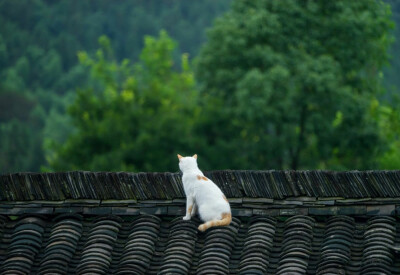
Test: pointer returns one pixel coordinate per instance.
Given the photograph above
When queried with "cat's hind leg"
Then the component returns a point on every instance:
(194, 209)
(189, 207)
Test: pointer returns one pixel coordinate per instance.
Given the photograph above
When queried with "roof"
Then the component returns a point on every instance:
(235, 184)
(305, 222)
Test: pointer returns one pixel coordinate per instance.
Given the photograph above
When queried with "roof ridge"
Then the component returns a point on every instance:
(273, 184)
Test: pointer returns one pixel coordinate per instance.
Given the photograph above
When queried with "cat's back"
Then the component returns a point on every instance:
(210, 199)
(206, 188)
(189, 181)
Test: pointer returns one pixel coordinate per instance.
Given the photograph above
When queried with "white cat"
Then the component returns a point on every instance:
(203, 194)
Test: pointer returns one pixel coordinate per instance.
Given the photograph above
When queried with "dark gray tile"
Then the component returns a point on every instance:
(154, 210)
(331, 210)
(241, 212)
(382, 210)
(73, 209)
(266, 212)
(293, 211)
(125, 211)
(176, 211)
(352, 210)
(258, 200)
(97, 210)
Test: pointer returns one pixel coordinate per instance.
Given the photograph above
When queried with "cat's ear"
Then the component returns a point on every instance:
(195, 156)
(179, 157)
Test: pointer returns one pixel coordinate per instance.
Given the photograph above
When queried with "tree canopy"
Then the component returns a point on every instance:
(294, 81)
(290, 84)
(40, 71)
(133, 116)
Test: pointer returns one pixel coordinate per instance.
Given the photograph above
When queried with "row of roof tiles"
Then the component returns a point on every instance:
(373, 207)
(234, 184)
(146, 244)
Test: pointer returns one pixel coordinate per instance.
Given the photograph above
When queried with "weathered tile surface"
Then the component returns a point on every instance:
(284, 222)
(148, 244)
(94, 186)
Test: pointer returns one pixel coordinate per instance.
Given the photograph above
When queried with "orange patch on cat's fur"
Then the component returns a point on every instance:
(227, 217)
(202, 178)
(190, 209)
(225, 198)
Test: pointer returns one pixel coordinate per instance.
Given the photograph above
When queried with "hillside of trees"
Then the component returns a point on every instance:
(125, 85)
(40, 70)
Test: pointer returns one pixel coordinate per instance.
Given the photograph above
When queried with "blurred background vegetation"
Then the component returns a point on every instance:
(245, 84)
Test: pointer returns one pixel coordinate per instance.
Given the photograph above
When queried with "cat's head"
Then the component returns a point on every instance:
(187, 163)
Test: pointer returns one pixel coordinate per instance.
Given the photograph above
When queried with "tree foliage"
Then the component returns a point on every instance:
(292, 83)
(388, 119)
(19, 118)
(392, 81)
(39, 41)
(283, 84)
(132, 116)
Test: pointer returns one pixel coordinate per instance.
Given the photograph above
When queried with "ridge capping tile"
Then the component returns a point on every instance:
(389, 210)
(350, 201)
(176, 210)
(266, 212)
(155, 201)
(329, 198)
(293, 211)
(285, 202)
(257, 200)
(241, 212)
(13, 211)
(83, 201)
(125, 211)
(352, 210)
(99, 210)
(320, 211)
(179, 200)
(29, 205)
(301, 198)
(41, 210)
(21, 203)
(319, 203)
(73, 209)
(118, 202)
(257, 206)
(235, 200)
(26, 210)
(394, 199)
(50, 203)
(161, 210)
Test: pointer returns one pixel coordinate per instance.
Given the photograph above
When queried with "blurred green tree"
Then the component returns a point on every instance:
(39, 40)
(132, 117)
(388, 118)
(289, 84)
(392, 79)
(20, 142)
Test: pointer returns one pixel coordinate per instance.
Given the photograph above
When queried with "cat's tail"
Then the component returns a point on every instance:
(226, 220)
